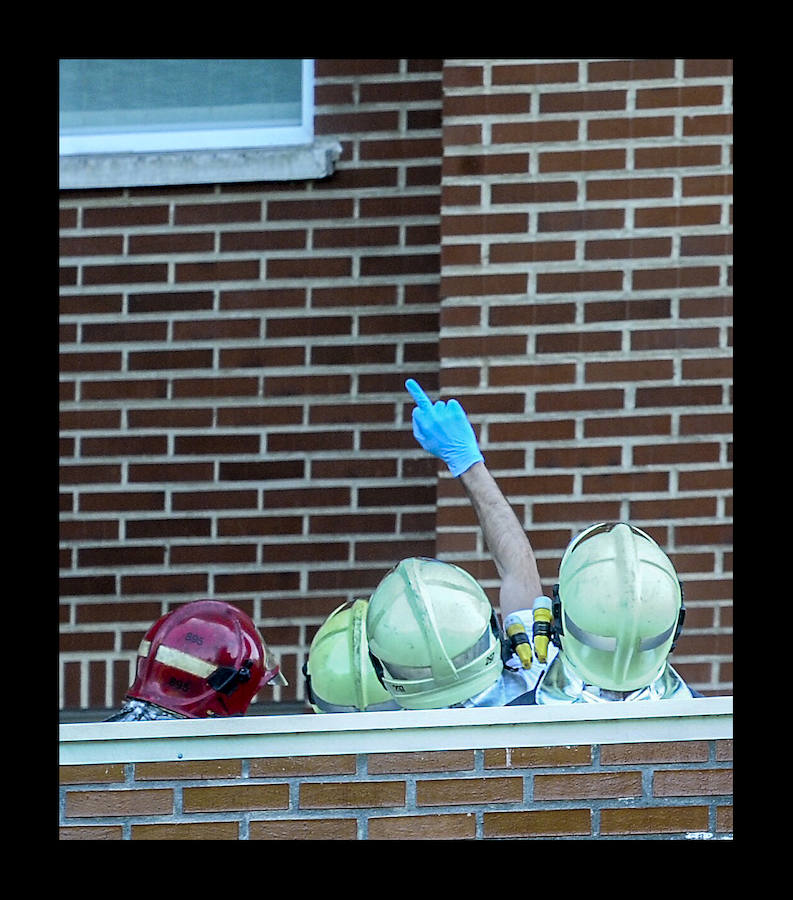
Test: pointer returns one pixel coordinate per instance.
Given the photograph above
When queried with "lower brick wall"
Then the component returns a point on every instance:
(675, 789)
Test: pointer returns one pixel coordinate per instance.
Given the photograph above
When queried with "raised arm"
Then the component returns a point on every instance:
(505, 538)
(443, 429)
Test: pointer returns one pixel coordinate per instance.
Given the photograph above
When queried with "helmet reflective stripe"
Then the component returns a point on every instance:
(598, 642)
(168, 656)
(651, 643)
(326, 707)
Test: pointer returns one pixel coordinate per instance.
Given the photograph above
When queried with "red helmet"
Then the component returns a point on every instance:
(205, 658)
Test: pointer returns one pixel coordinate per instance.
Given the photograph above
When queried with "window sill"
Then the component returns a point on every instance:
(110, 170)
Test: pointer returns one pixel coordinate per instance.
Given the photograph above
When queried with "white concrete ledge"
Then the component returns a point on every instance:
(108, 170)
(248, 737)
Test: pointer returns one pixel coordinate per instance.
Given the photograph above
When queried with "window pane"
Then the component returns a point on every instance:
(114, 97)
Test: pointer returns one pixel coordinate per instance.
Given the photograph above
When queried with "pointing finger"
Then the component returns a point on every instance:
(416, 391)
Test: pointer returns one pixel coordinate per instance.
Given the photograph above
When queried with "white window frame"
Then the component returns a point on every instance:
(130, 159)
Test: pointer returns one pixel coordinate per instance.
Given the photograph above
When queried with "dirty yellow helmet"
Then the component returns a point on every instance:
(339, 673)
(618, 606)
(433, 634)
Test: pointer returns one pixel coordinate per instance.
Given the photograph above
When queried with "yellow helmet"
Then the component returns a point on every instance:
(618, 606)
(433, 634)
(339, 673)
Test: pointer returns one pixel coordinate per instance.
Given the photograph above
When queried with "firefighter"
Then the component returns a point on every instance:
(204, 659)
(436, 642)
(339, 673)
(617, 611)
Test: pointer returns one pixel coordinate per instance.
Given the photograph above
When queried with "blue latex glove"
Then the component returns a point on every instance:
(444, 431)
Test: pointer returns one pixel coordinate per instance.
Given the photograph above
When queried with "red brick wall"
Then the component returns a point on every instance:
(673, 790)
(586, 298)
(549, 240)
(232, 374)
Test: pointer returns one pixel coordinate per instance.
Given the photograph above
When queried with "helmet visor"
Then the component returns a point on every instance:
(272, 669)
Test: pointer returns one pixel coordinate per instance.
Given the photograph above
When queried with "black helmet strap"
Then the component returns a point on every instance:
(226, 679)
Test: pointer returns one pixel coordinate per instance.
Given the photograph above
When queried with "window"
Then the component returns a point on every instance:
(139, 105)
(166, 121)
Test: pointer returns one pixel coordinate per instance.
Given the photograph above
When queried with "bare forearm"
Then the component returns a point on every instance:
(506, 540)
